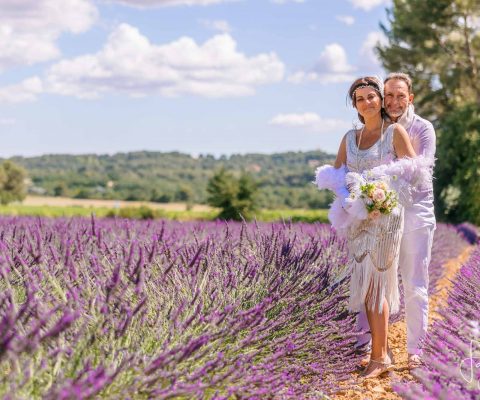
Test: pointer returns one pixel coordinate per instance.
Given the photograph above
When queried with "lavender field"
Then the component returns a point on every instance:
(452, 362)
(116, 308)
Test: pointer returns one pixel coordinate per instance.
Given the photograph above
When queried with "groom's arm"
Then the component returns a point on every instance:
(424, 140)
(424, 143)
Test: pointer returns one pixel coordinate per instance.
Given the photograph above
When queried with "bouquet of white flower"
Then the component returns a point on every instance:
(378, 198)
(369, 198)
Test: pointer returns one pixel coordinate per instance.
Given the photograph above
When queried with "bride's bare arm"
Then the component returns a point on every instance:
(342, 154)
(401, 142)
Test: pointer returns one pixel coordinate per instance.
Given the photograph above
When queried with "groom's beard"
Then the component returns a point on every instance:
(406, 119)
(397, 115)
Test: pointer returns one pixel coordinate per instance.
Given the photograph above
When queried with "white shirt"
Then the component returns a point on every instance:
(422, 136)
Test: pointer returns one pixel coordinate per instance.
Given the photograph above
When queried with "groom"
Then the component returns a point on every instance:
(419, 224)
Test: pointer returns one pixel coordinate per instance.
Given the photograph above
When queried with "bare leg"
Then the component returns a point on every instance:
(379, 327)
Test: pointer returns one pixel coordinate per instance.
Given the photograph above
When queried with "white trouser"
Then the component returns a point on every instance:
(415, 254)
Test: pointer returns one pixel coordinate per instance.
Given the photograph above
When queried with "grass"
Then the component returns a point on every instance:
(295, 215)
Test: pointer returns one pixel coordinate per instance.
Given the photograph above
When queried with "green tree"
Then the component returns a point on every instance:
(83, 193)
(12, 182)
(166, 177)
(60, 189)
(458, 181)
(247, 196)
(184, 193)
(437, 42)
(235, 197)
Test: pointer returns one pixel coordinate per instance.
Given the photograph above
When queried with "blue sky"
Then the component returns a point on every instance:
(196, 76)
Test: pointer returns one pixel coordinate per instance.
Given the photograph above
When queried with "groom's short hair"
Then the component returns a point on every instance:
(401, 76)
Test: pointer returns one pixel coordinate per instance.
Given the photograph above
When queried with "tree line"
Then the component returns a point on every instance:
(283, 180)
(437, 42)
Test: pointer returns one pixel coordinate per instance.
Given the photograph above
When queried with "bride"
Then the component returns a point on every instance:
(373, 244)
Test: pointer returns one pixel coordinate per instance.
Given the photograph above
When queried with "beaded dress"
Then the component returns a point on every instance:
(374, 244)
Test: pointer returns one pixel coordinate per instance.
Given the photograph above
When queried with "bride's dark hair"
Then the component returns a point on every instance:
(365, 81)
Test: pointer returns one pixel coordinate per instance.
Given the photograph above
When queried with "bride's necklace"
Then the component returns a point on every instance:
(360, 141)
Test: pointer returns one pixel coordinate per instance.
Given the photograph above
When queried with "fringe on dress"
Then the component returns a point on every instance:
(374, 248)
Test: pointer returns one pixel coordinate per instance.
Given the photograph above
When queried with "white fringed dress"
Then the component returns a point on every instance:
(374, 244)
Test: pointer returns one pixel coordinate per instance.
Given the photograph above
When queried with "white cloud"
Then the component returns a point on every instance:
(129, 63)
(331, 67)
(7, 121)
(367, 5)
(171, 3)
(369, 59)
(286, 1)
(346, 19)
(333, 59)
(29, 29)
(216, 25)
(168, 3)
(310, 121)
(25, 91)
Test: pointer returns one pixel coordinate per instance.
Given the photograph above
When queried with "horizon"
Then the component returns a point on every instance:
(195, 156)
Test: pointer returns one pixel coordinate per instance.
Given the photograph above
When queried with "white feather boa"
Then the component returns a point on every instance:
(403, 175)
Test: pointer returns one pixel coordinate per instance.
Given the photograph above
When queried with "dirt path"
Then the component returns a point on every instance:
(381, 388)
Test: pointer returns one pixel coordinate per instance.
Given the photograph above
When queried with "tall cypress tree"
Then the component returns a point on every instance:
(437, 42)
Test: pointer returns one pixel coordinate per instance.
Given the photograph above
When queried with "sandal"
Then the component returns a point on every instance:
(364, 361)
(385, 366)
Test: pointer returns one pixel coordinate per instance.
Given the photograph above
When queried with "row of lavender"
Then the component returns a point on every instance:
(132, 309)
(452, 351)
(449, 242)
(129, 309)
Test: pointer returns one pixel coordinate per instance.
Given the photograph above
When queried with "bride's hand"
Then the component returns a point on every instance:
(353, 181)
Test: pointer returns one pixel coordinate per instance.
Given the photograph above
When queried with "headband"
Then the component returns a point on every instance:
(377, 85)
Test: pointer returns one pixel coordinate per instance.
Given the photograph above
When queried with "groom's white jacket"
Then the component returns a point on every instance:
(422, 135)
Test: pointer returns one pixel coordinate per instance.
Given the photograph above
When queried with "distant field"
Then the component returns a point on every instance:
(66, 207)
(68, 202)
